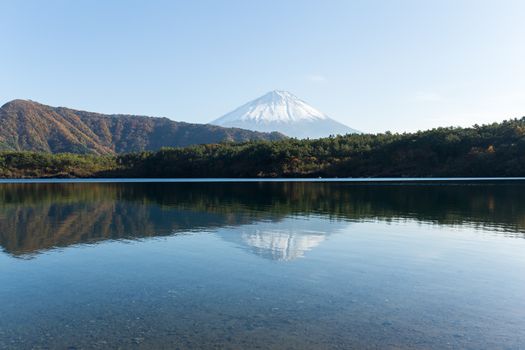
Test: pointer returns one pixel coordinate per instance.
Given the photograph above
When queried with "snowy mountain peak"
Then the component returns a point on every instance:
(277, 96)
(275, 106)
(284, 112)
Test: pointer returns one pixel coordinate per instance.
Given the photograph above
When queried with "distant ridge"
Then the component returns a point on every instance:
(31, 126)
(283, 112)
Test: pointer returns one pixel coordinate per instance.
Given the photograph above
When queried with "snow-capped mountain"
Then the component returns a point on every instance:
(282, 111)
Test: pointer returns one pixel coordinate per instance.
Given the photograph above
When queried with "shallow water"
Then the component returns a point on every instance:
(262, 265)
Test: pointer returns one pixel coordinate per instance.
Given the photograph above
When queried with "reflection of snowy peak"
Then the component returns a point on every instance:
(281, 111)
(282, 240)
(282, 244)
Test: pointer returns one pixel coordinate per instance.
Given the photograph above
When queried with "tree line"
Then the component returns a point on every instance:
(496, 149)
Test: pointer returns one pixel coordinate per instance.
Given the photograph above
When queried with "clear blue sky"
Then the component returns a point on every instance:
(374, 65)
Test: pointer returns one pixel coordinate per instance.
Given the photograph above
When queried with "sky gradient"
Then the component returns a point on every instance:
(373, 65)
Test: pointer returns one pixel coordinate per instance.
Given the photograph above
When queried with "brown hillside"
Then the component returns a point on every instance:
(31, 126)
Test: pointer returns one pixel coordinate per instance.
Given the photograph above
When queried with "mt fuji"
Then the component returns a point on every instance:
(284, 112)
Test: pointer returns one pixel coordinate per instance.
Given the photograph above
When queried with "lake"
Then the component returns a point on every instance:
(262, 265)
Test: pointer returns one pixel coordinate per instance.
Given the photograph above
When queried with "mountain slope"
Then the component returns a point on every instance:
(31, 126)
(283, 112)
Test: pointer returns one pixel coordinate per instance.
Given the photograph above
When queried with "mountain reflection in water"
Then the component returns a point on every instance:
(267, 217)
(285, 240)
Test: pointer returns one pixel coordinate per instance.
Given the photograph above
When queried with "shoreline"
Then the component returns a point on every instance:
(253, 180)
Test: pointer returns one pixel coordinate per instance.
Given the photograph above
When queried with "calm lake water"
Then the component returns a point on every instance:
(262, 265)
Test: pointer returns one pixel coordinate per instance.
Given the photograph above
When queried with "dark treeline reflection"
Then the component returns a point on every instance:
(34, 217)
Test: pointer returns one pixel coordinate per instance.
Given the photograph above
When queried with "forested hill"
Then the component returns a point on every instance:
(491, 150)
(31, 126)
